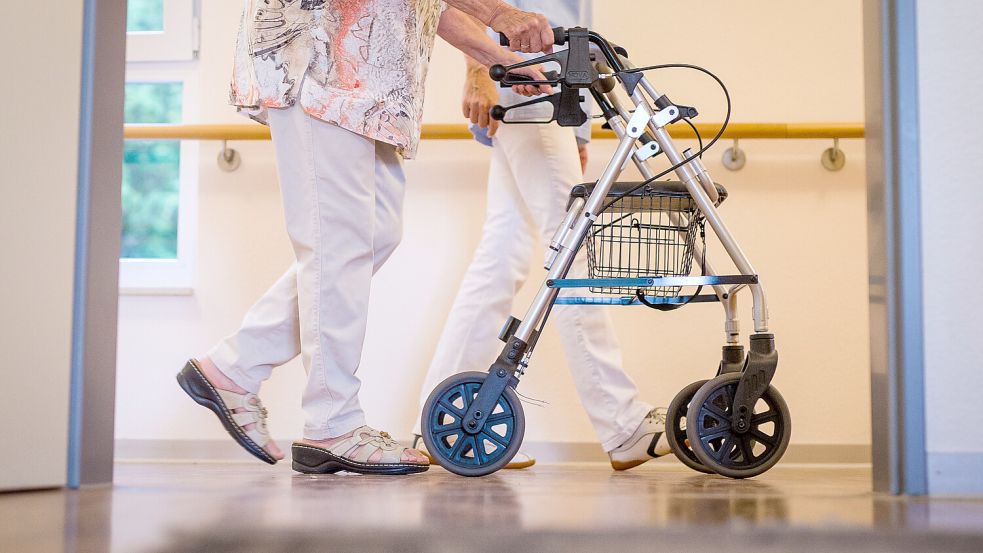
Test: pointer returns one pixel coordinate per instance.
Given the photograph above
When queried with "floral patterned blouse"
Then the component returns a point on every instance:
(359, 64)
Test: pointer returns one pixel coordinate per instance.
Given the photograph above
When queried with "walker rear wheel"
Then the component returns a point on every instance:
(724, 450)
(459, 451)
(676, 427)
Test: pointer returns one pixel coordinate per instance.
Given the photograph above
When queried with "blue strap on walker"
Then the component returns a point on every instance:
(642, 283)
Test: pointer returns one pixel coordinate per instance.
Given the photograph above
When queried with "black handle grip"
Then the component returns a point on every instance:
(498, 72)
(517, 78)
(559, 37)
(498, 113)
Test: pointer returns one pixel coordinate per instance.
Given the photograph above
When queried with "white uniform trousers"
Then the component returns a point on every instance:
(533, 168)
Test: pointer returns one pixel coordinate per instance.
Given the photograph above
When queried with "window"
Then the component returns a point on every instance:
(159, 195)
(161, 30)
(159, 188)
(145, 16)
(151, 175)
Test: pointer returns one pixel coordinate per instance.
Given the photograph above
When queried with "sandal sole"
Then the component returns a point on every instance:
(315, 460)
(198, 388)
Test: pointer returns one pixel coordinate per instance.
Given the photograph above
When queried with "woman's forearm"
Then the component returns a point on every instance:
(483, 10)
(527, 32)
(467, 35)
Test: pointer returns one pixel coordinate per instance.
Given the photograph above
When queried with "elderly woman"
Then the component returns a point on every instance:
(340, 83)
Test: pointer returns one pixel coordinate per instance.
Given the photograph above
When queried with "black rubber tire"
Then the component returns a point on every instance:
(722, 450)
(676, 435)
(437, 445)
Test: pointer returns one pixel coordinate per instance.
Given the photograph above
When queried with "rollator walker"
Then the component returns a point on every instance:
(643, 240)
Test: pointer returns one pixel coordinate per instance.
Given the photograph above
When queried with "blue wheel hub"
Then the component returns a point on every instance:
(450, 441)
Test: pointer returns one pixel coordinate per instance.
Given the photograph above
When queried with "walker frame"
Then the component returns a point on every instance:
(467, 403)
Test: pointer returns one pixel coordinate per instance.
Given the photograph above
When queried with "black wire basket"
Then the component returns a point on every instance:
(648, 233)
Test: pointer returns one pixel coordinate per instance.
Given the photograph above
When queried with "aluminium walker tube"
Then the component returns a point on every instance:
(702, 174)
(695, 187)
(573, 239)
(732, 326)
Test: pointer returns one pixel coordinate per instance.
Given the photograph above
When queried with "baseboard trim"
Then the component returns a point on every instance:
(545, 452)
(955, 473)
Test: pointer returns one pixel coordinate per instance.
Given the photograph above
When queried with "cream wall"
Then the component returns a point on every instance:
(802, 226)
(38, 184)
(949, 81)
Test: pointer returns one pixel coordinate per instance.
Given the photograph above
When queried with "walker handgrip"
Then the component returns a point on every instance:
(498, 72)
(559, 37)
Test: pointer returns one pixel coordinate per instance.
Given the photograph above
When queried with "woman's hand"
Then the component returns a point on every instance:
(480, 94)
(534, 72)
(466, 34)
(527, 32)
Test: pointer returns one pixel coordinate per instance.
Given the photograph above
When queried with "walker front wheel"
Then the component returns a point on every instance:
(462, 452)
(676, 427)
(724, 450)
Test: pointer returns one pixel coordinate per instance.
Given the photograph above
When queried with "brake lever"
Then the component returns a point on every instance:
(516, 79)
(503, 75)
(499, 112)
(566, 109)
(576, 66)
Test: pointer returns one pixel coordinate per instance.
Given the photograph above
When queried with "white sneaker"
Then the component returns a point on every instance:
(521, 460)
(648, 442)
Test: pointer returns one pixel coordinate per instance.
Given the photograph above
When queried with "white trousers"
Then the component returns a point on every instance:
(533, 168)
(342, 201)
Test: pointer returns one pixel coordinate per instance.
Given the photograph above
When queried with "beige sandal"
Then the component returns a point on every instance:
(353, 454)
(224, 403)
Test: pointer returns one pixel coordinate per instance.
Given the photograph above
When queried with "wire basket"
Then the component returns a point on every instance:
(648, 233)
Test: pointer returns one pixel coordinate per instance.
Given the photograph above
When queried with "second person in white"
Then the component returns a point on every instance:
(533, 167)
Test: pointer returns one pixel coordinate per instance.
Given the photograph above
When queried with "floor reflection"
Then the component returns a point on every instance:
(492, 503)
(703, 499)
(183, 507)
(87, 519)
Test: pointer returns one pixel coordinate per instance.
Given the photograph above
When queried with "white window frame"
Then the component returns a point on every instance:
(170, 276)
(177, 42)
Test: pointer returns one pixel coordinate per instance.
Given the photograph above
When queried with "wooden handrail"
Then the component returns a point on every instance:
(458, 131)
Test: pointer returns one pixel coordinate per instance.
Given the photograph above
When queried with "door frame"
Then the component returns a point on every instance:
(894, 247)
(92, 398)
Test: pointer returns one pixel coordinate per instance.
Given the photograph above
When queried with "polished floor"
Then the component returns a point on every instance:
(660, 506)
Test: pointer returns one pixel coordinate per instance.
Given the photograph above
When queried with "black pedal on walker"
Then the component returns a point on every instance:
(509, 329)
(759, 369)
(512, 325)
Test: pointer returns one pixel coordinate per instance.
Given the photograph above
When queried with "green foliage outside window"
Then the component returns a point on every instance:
(144, 15)
(151, 174)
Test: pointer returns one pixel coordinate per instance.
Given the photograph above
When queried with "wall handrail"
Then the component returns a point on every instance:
(459, 131)
(733, 158)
